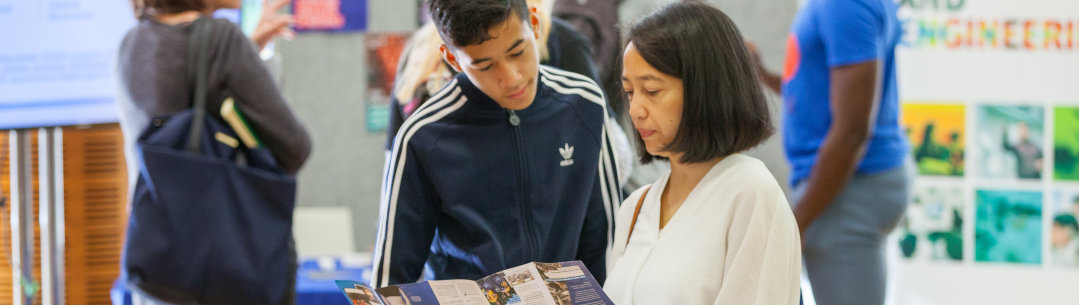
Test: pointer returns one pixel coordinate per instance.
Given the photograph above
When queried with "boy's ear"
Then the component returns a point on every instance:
(450, 59)
(534, 19)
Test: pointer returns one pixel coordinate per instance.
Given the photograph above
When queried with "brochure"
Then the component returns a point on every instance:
(565, 283)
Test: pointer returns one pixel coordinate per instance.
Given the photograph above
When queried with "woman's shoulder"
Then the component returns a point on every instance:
(746, 177)
(229, 32)
(745, 170)
(146, 30)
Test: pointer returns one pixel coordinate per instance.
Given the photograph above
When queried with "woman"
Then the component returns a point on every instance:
(153, 74)
(152, 66)
(716, 228)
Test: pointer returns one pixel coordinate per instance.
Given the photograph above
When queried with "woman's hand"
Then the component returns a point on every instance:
(272, 24)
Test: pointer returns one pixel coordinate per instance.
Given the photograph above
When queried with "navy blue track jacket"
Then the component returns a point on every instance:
(471, 188)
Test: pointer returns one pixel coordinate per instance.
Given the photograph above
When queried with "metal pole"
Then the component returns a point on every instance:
(49, 201)
(59, 225)
(44, 200)
(13, 212)
(22, 210)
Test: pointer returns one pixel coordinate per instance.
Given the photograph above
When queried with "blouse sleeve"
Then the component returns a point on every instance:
(764, 263)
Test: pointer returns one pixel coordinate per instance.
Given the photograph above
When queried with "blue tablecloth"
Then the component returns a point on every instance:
(315, 286)
(314, 283)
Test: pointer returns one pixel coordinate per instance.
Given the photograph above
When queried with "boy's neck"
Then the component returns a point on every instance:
(520, 107)
(471, 86)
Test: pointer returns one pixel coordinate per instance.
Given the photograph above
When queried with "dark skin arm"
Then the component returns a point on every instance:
(855, 90)
(770, 80)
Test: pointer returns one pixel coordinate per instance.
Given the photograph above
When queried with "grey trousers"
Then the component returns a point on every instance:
(844, 247)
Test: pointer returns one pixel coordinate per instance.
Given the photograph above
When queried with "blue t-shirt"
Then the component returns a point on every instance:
(832, 33)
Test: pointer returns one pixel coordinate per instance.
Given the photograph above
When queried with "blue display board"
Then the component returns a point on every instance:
(58, 61)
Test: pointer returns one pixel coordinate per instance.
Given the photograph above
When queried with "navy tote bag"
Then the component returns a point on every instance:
(210, 223)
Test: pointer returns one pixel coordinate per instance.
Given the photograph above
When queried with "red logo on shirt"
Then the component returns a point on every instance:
(794, 58)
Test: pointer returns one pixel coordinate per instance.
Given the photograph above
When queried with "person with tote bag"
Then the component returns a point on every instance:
(211, 212)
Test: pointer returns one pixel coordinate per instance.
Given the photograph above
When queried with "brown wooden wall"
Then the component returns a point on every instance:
(5, 187)
(95, 191)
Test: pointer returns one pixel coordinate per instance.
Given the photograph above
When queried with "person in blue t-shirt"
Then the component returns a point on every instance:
(849, 158)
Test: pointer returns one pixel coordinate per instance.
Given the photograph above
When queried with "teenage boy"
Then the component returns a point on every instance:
(509, 163)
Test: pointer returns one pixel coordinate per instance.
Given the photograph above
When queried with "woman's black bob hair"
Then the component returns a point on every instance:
(724, 108)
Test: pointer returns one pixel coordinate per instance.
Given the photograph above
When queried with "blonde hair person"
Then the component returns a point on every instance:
(543, 8)
(421, 65)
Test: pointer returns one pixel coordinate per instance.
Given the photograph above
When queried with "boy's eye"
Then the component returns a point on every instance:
(518, 53)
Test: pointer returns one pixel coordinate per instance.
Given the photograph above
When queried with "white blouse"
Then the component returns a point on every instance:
(733, 241)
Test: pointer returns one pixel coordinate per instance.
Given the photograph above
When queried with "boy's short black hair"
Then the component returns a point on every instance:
(462, 23)
(724, 110)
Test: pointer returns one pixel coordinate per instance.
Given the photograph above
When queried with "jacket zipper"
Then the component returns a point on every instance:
(526, 216)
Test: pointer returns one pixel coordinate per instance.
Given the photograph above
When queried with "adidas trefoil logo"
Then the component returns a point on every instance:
(567, 155)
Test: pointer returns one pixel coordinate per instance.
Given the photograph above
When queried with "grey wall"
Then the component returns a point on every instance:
(766, 23)
(324, 79)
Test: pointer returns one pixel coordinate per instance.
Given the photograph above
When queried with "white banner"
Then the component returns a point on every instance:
(990, 93)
